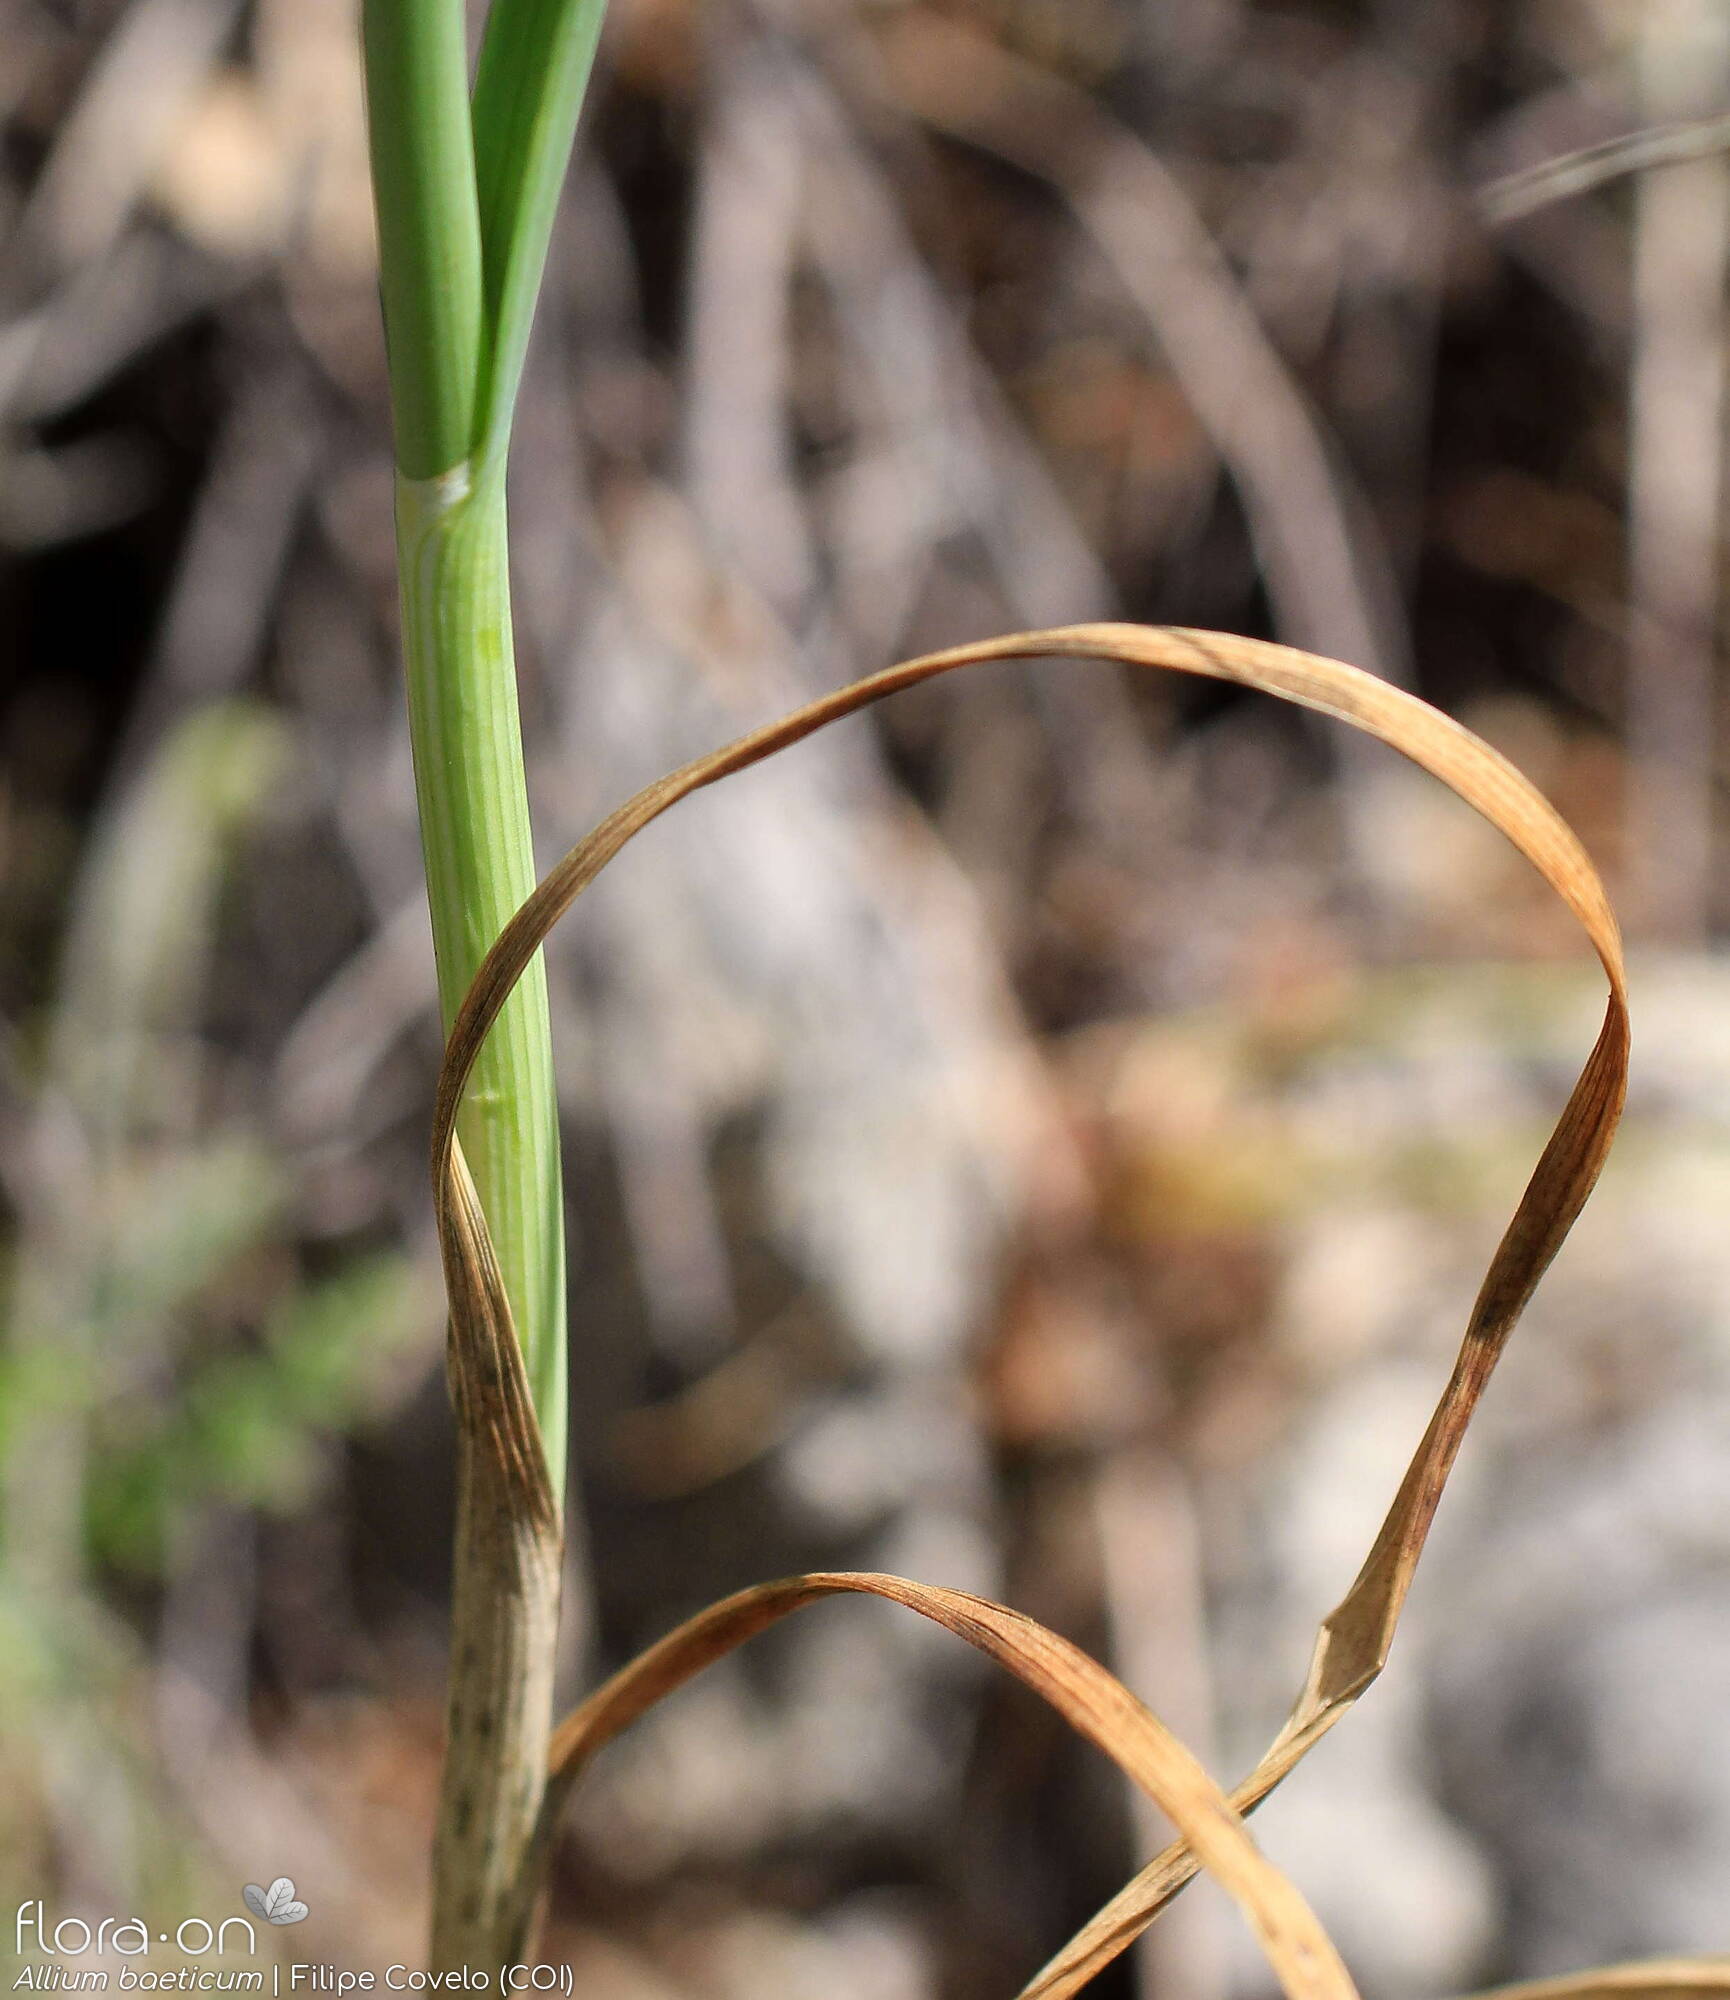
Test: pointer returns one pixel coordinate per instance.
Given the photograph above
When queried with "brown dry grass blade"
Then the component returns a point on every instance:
(1662, 1978)
(1091, 1700)
(504, 1611)
(1353, 1641)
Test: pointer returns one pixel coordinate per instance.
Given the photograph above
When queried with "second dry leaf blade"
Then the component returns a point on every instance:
(1088, 1697)
(1643, 1979)
(1353, 1641)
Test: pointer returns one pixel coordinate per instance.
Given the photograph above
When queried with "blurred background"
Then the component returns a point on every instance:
(1043, 1137)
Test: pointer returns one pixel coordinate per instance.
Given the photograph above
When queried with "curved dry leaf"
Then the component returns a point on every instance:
(1353, 1641)
(1093, 1702)
(1671, 1978)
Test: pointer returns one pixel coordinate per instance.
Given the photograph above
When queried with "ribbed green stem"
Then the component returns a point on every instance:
(480, 865)
(457, 640)
(460, 259)
(429, 226)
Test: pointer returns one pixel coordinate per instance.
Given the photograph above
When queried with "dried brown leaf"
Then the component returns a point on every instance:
(1091, 1700)
(1353, 1641)
(1671, 1978)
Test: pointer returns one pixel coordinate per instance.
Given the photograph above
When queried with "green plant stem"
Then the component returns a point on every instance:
(465, 200)
(474, 816)
(429, 229)
(456, 325)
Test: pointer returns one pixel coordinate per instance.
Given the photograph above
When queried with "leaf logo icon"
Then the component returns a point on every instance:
(276, 1905)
